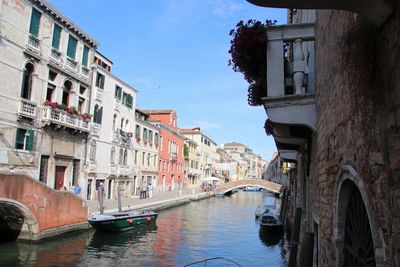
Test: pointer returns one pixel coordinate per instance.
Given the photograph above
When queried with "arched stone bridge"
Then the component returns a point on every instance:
(270, 186)
(30, 210)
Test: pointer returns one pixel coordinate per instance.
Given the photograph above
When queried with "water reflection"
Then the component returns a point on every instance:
(270, 238)
(104, 240)
(215, 227)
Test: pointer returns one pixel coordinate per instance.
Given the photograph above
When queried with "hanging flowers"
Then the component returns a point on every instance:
(249, 56)
(268, 127)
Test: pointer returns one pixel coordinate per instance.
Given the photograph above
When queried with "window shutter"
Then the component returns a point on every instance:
(35, 21)
(129, 101)
(56, 36)
(71, 51)
(29, 140)
(85, 56)
(102, 78)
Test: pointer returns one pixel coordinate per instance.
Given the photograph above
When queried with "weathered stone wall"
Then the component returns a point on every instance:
(358, 109)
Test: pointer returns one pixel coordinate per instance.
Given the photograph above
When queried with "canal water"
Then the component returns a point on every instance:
(214, 227)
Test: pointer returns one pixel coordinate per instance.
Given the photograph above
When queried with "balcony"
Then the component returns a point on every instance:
(27, 108)
(33, 46)
(84, 72)
(117, 104)
(55, 57)
(99, 94)
(71, 65)
(290, 75)
(174, 156)
(60, 118)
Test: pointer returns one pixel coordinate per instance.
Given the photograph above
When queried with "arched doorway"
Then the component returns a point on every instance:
(357, 237)
(358, 244)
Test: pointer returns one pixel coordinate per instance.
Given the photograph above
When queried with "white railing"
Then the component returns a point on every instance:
(113, 170)
(85, 72)
(55, 54)
(62, 118)
(117, 104)
(99, 94)
(71, 64)
(27, 108)
(115, 136)
(33, 41)
(290, 60)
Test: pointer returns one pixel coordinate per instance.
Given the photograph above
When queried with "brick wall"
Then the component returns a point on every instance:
(358, 109)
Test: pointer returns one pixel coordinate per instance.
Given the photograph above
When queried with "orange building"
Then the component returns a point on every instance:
(170, 151)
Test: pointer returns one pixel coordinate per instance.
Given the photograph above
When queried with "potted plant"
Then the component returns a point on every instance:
(249, 56)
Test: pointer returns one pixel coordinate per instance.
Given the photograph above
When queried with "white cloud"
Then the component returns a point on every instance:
(226, 9)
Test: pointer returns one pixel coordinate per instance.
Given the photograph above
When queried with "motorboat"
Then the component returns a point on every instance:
(270, 221)
(121, 221)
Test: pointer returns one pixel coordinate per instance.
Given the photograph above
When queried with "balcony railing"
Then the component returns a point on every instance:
(290, 75)
(71, 64)
(174, 156)
(117, 104)
(85, 72)
(56, 55)
(63, 119)
(27, 108)
(99, 94)
(33, 41)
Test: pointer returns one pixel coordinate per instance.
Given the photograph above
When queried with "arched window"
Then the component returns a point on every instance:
(93, 151)
(26, 89)
(67, 90)
(112, 156)
(121, 155)
(114, 122)
(126, 125)
(122, 124)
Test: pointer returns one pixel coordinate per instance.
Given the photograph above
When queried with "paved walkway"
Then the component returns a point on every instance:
(134, 202)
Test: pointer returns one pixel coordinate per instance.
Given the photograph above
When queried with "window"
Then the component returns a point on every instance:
(136, 156)
(24, 139)
(122, 124)
(35, 21)
(137, 131)
(148, 159)
(71, 50)
(56, 36)
(127, 100)
(144, 135)
(156, 139)
(114, 122)
(100, 80)
(67, 90)
(50, 91)
(26, 88)
(112, 156)
(85, 56)
(97, 114)
(93, 151)
(143, 156)
(121, 154)
(118, 92)
(126, 157)
(81, 105)
(150, 136)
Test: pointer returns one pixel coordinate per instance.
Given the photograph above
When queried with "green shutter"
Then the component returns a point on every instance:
(71, 51)
(129, 101)
(35, 21)
(85, 56)
(56, 36)
(102, 78)
(29, 140)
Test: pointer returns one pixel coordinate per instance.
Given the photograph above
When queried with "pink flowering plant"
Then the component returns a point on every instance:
(249, 56)
(69, 110)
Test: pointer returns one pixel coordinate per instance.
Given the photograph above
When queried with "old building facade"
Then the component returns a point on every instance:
(342, 131)
(171, 165)
(45, 74)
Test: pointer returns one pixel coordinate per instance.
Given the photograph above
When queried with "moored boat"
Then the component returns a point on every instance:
(270, 221)
(121, 221)
(260, 210)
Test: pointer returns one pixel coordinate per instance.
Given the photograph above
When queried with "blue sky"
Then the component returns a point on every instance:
(175, 53)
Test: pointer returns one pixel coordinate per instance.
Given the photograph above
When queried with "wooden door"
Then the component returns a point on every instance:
(60, 171)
